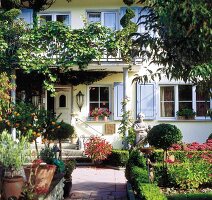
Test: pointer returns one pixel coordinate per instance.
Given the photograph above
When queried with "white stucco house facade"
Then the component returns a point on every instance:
(159, 100)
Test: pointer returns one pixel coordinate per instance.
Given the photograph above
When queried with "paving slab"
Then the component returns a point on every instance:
(94, 183)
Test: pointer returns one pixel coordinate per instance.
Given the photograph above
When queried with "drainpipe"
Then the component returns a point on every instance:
(125, 78)
(13, 100)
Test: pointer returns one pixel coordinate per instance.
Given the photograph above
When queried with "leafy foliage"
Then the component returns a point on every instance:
(97, 148)
(13, 154)
(178, 37)
(164, 135)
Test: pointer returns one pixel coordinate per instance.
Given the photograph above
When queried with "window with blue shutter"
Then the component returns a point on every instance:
(145, 94)
(26, 15)
(118, 98)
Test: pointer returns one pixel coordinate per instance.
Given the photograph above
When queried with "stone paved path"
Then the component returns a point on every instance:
(98, 184)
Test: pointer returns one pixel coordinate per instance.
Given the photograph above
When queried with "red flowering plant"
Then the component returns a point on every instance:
(106, 112)
(97, 148)
(96, 112)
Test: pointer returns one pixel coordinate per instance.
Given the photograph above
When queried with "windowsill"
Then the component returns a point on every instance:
(184, 120)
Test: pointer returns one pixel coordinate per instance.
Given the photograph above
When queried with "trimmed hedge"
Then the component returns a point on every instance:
(117, 158)
(201, 196)
(149, 191)
(138, 175)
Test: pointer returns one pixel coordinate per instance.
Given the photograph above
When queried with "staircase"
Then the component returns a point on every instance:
(68, 150)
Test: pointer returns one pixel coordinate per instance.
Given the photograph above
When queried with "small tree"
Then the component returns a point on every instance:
(163, 136)
(62, 132)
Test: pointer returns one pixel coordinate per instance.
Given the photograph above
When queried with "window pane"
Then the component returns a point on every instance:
(104, 94)
(167, 94)
(62, 101)
(104, 105)
(94, 93)
(184, 105)
(94, 17)
(110, 20)
(93, 106)
(201, 96)
(185, 92)
(45, 18)
(63, 19)
(202, 108)
(167, 108)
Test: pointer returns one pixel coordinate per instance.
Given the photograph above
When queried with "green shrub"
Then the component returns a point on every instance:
(117, 158)
(138, 176)
(149, 191)
(47, 155)
(135, 159)
(190, 175)
(206, 196)
(161, 177)
(164, 135)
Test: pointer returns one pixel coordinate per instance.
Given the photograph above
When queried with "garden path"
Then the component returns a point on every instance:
(98, 184)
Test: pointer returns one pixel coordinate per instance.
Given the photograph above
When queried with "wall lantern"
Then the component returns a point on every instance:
(80, 99)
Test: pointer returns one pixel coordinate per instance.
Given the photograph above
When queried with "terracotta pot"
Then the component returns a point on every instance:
(43, 177)
(67, 188)
(12, 186)
(96, 118)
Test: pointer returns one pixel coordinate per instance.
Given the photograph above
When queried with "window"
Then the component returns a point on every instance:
(167, 106)
(108, 19)
(62, 101)
(99, 97)
(202, 104)
(60, 17)
(177, 97)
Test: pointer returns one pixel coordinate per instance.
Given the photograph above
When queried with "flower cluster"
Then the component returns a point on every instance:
(194, 146)
(100, 112)
(97, 148)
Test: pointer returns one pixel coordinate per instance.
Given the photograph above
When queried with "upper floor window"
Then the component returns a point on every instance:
(177, 97)
(107, 18)
(60, 17)
(99, 97)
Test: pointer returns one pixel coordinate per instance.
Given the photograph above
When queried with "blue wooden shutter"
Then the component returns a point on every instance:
(26, 15)
(118, 98)
(146, 100)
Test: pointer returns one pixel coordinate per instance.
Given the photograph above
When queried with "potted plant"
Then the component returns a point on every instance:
(96, 112)
(106, 113)
(13, 154)
(70, 165)
(186, 113)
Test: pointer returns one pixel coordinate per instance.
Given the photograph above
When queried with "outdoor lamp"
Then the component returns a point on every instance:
(80, 99)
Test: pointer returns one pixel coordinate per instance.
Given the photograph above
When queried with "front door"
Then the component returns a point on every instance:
(63, 104)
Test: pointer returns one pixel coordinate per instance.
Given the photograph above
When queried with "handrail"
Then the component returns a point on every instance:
(89, 126)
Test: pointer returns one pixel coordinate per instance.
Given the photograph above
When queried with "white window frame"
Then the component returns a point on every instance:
(88, 95)
(54, 15)
(102, 12)
(176, 102)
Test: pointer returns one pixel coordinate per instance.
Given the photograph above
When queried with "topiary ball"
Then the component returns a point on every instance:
(164, 135)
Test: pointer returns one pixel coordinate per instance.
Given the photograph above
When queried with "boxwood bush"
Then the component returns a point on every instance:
(117, 158)
(199, 196)
(149, 191)
(138, 175)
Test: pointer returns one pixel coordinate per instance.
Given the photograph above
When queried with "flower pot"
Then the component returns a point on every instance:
(67, 188)
(96, 118)
(42, 178)
(105, 118)
(12, 186)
